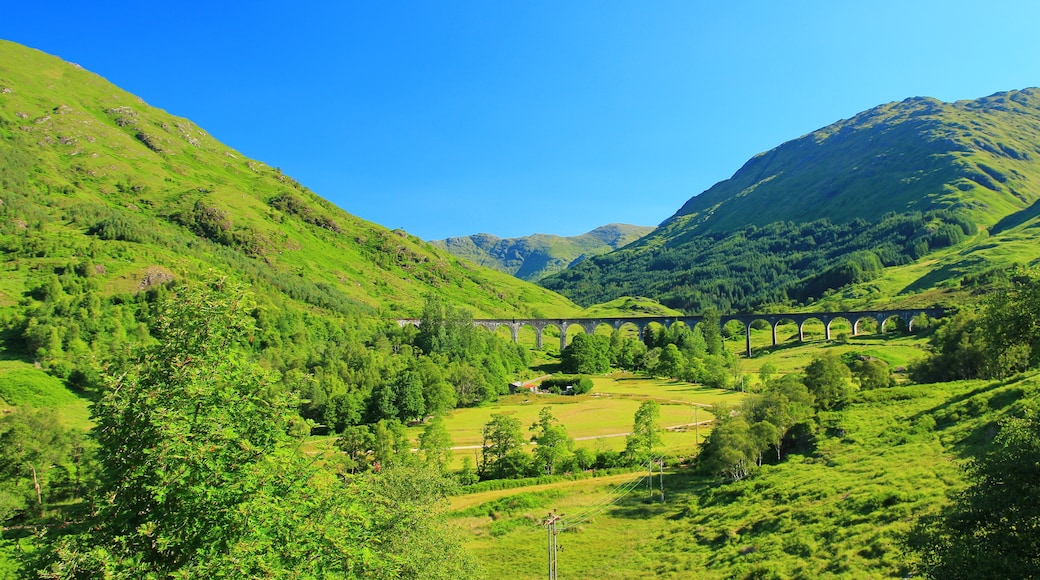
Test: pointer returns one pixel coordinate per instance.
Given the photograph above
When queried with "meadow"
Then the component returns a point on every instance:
(836, 510)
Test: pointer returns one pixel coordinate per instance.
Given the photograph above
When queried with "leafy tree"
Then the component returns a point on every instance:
(626, 353)
(586, 354)
(957, 351)
(993, 528)
(1011, 326)
(646, 431)
(201, 477)
(438, 396)
(435, 443)
(766, 372)
(871, 373)
(711, 329)
(384, 400)
(553, 444)
(501, 435)
(736, 446)
(829, 381)
(410, 404)
(445, 329)
(419, 544)
(390, 443)
(356, 442)
(671, 362)
(732, 449)
(1003, 338)
(469, 383)
(33, 445)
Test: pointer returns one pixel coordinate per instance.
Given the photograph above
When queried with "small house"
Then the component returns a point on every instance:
(520, 386)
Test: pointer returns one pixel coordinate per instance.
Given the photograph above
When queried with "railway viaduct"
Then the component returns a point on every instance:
(589, 325)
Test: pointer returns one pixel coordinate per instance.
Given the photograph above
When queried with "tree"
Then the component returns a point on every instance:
(711, 329)
(957, 351)
(1011, 327)
(732, 449)
(829, 380)
(390, 443)
(992, 530)
(766, 372)
(355, 442)
(32, 445)
(671, 362)
(501, 435)
(646, 431)
(586, 354)
(553, 444)
(871, 373)
(411, 404)
(201, 477)
(435, 443)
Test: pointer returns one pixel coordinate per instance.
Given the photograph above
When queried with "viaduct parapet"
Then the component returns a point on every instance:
(589, 325)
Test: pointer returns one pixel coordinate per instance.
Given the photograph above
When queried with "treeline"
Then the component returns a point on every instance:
(785, 412)
(680, 352)
(997, 340)
(194, 469)
(502, 454)
(347, 370)
(779, 263)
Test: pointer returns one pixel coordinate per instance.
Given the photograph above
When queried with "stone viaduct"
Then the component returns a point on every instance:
(589, 325)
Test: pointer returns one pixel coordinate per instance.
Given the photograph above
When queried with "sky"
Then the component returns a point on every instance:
(452, 118)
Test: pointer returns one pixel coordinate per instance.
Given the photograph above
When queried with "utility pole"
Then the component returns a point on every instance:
(650, 481)
(661, 480)
(550, 526)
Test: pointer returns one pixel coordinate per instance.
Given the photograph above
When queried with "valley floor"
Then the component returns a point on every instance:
(837, 511)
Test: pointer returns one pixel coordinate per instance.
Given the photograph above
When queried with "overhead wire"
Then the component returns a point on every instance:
(617, 494)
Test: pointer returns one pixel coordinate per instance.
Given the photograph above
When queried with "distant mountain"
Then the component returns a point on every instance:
(841, 207)
(89, 171)
(536, 256)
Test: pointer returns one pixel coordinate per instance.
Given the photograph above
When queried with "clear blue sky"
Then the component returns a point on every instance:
(450, 118)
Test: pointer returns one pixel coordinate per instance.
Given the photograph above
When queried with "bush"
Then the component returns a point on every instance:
(567, 385)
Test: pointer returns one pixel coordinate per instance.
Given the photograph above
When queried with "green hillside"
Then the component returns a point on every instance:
(536, 256)
(918, 180)
(87, 168)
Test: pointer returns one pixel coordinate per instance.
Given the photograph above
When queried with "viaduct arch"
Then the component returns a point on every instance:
(589, 325)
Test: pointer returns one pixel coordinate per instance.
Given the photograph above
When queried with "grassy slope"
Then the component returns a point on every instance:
(93, 144)
(836, 512)
(536, 256)
(935, 279)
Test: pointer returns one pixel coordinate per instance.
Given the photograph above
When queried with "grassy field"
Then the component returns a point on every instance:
(836, 511)
(23, 385)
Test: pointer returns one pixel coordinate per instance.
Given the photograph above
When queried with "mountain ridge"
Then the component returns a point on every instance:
(538, 255)
(841, 206)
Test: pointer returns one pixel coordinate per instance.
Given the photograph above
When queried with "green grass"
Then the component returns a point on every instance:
(607, 412)
(23, 386)
(838, 512)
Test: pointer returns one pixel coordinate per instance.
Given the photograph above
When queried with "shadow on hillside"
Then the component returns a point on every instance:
(821, 342)
(549, 368)
(985, 405)
(12, 347)
(681, 487)
(1016, 219)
